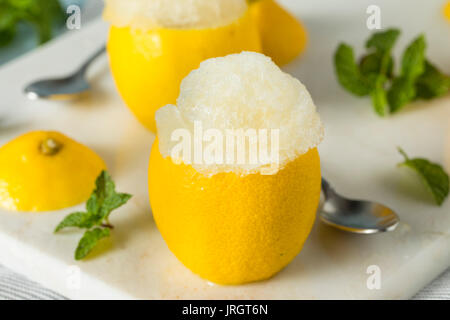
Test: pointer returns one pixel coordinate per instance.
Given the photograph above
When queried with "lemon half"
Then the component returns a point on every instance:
(45, 170)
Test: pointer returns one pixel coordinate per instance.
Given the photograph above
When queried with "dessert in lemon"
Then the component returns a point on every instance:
(154, 44)
(235, 221)
(45, 170)
(283, 37)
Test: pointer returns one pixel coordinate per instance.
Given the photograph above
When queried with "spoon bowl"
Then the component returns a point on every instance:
(63, 88)
(57, 89)
(356, 216)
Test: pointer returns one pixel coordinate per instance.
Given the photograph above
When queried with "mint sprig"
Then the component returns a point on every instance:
(41, 14)
(432, 175)
(103, 200)
(374, 76)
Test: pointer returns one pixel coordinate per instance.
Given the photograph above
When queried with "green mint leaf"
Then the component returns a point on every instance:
(93, 205)
(8, 21)
(103, 200)
(89, 241)
(76, 219)
(432, 83)
(348, 73)
(106, 197)
(413, 62)
(373, 64)
(379, 99)
(42, 14)
(7, 35)
(383, 41)
(402, 92)
(432, 174)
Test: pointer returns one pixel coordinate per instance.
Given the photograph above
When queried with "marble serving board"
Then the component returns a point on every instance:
(358, 155)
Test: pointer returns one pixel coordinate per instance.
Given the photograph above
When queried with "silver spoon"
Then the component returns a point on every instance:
(356, 216)
(63, 88)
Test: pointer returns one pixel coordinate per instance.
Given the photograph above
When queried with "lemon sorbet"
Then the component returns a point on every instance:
(45, 170)
(283, 37)
(235, 223)
(154, 44)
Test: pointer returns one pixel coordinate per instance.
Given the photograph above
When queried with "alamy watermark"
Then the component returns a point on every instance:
(374, 20)
(73, 21)
(73, 278)
(374, 280)
(241, 147)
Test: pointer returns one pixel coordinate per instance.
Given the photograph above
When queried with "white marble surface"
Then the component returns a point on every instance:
(359, 148)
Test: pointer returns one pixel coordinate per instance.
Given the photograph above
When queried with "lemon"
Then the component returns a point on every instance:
(45, 170)
(447, 10)
(155, 44)
(283, 37)
(233, 223)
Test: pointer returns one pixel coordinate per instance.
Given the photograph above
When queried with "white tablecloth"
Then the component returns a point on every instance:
(16, 287)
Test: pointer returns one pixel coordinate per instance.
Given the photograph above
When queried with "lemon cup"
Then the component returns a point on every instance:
(45, 170)
(229, 222)
(154, 44)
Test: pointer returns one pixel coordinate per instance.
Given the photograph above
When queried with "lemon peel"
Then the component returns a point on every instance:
(46, 170)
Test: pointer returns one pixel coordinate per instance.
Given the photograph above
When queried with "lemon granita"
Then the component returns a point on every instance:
(230, 223)
(245, 91)
(45, 170)
(151, 14)
(154, 44)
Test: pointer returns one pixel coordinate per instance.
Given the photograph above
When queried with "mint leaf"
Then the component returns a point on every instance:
(103, 200)
(432, 174)
(89, 240)
(379, 99)
(348, 72)
(403, 89)
(373, 64)
(76, 219)
(7, 35)
(383, 41)
(402, 92)
(432, 83)
(42, 14)
(413, 62)
(7, 25)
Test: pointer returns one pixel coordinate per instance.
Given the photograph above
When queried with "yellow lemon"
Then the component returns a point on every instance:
(45, 170)
(150, 53)
(283, 37)
(447, 10)
(231, 229)
(227, 221)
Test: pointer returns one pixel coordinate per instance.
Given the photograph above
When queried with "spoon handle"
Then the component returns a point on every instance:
(91, 59)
